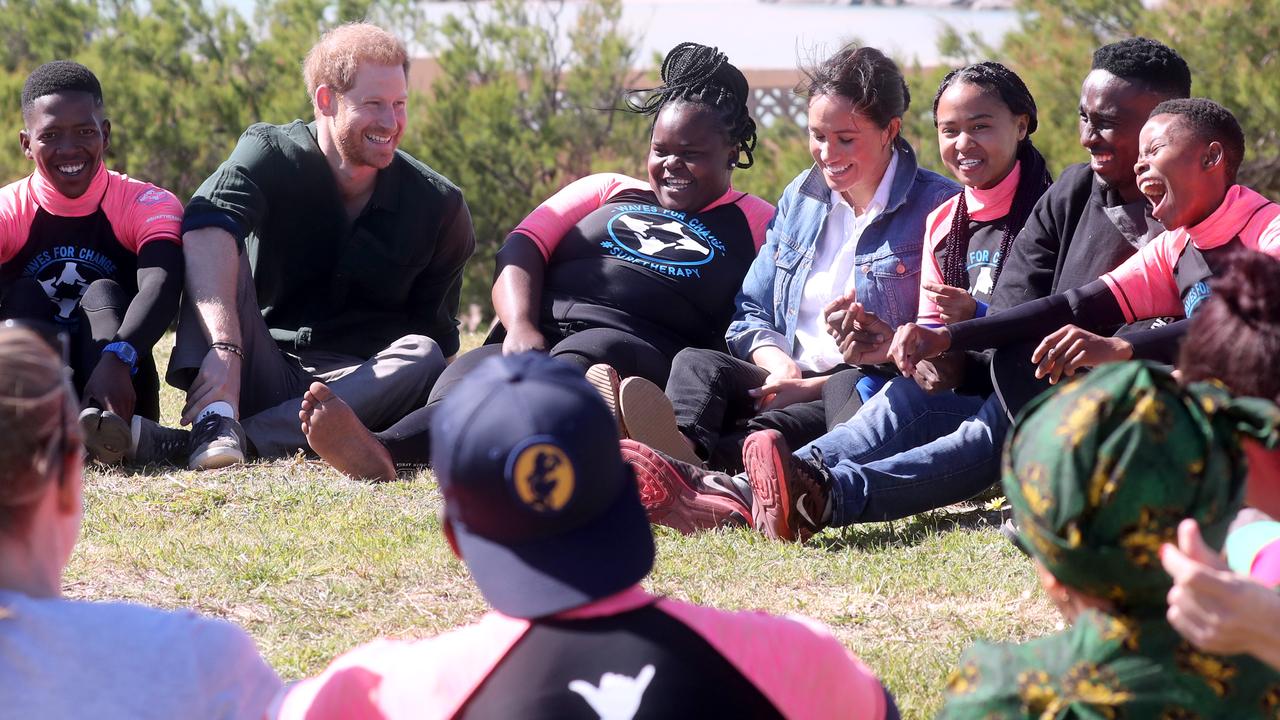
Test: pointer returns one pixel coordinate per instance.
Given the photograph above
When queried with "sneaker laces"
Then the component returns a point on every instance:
(817, 482)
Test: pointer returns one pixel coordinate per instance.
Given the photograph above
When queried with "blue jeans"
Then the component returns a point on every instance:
(907, 451)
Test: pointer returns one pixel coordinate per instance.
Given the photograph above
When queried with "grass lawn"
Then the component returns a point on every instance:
(311, 564)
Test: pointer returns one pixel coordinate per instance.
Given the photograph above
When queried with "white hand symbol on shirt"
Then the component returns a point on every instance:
(618, 697)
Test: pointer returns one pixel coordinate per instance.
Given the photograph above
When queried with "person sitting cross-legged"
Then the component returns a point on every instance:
(315, 251)
(89, 251)
(546, 516)
(612, 273)
(1100, 474)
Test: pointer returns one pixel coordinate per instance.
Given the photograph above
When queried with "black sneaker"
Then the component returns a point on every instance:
(216, 442)
(152, 442)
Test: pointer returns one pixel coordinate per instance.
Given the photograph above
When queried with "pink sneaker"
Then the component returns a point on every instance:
(683, 496)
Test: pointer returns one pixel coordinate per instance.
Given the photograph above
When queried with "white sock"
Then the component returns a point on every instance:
(217, 408)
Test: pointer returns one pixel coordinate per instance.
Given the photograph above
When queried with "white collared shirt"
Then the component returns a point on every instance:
(832, 273)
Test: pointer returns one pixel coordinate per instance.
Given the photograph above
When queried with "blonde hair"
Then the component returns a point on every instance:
(38, 422)
(335, 59)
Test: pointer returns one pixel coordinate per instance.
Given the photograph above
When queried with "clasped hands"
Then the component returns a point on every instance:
(865, 339)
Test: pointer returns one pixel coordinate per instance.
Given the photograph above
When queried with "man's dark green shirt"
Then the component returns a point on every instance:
(324, 282)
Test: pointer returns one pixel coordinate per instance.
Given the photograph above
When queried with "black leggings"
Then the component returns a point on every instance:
(409, 440)
(99, 315)
(708, 390)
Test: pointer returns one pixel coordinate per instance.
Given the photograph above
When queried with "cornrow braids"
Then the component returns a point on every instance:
(703, 75)
(1032, 182)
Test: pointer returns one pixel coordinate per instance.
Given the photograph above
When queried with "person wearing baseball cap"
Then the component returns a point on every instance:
(547, 518)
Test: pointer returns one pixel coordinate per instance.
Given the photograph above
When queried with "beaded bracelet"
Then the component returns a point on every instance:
(229, 347)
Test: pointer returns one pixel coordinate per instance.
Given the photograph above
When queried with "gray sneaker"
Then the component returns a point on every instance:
(216, 442)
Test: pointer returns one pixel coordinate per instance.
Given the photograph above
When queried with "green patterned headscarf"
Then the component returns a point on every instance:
(1100, 473)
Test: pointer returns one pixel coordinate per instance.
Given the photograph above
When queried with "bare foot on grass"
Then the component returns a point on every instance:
(340, 439)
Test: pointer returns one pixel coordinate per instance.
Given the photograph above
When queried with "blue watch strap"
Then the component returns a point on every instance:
(127, 354)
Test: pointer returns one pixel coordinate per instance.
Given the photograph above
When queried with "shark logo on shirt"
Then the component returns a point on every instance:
(65, 272)
(665, 241)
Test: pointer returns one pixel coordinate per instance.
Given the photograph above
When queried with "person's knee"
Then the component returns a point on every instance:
(104, 294)
(422, 352)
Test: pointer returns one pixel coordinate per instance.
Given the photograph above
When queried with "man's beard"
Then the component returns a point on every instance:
(355, 150)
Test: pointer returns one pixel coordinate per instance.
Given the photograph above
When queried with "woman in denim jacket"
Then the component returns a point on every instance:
(851, 223)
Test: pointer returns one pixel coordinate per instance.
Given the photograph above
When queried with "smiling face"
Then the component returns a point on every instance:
(690, 157)
(1182, 176)
(368, 120)
(852, 151)
(977, 134)
(1112, 112)
(66, 135)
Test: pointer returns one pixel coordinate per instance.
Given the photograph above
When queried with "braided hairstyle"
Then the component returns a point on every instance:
(1032, 182)
(37, 422)
(703, 75)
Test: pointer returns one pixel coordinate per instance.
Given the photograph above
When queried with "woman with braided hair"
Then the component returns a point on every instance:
(851, 223)
(67, 659)
(612, 270)
(911, 448)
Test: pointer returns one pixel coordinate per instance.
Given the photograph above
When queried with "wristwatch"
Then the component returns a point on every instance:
(126, 353)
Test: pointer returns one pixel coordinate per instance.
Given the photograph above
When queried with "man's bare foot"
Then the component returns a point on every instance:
(340, 439)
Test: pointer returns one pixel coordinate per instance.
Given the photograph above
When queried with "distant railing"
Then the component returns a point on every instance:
(771, 104)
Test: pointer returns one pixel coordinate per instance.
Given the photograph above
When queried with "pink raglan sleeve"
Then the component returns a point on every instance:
(759, 213)
(1269, 238)
(141, 213)
(549, 222)
(393, 679)
(935, 231)
(13, 231)
(1144, 285)
(794, 661)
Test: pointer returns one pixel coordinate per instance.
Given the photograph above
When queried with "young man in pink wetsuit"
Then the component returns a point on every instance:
(541, 508)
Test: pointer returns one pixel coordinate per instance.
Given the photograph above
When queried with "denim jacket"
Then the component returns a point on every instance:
(888, 254)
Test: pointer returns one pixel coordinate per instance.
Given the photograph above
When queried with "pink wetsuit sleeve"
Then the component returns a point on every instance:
(795, 662)
(1144, 285)
(141, 212)
(549, 222)
(394, 680)
(759, 213)
(14, 198)
(1269, 238)
(935, 232)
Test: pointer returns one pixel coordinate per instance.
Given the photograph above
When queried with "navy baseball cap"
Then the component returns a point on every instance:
(546, 515)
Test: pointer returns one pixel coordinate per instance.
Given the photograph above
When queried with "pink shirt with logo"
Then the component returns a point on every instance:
(554, 217)
(139, 212)
(794, 661)
(1144, 285)
(982, 205)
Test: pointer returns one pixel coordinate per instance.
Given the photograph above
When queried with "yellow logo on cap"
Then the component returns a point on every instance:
(543, 477)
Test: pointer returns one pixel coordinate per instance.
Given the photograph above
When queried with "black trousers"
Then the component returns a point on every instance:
(409, 440)
(708, 390)
(99, 315)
